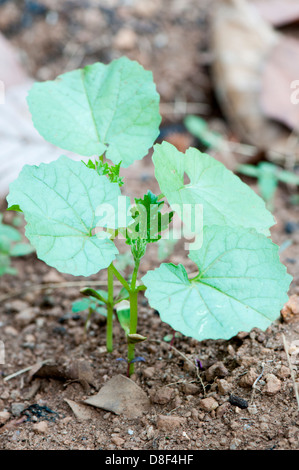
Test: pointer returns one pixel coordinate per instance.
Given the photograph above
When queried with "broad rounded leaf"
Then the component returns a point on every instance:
(112, 108)
(226, 200)
(60, 202)
(241, 285)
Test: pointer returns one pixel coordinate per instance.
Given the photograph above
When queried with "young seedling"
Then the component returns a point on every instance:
(268, 177)
(11, 246)
(75, 211)
(198, 127)
(92, 304)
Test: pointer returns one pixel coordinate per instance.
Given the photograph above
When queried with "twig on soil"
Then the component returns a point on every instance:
(291, 369)
(22, 371)
(255, 382)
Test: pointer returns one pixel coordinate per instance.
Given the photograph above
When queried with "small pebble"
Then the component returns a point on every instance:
(4, 416)
(17, 408)
(41, 427)
(208, 404)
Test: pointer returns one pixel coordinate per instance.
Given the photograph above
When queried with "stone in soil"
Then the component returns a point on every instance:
(169, 423)
(208, 404)
(273, 384)
(162, 396)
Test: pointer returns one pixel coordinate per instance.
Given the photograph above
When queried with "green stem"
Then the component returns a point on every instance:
(135, 274)
(133, 328)
(120, 277)
(93, 293)
(133, 315)
(110, 306)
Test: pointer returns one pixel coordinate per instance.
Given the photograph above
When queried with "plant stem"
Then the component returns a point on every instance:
(134, 276)
(133, 315)
(120, 277)
(110, 305)
(133, 328)
(133, 297)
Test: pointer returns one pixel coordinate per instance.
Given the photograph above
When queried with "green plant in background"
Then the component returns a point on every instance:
(268, 177)
(268, 174)
(11, 246)
(92, 305)
(75, 212)
(198, 127)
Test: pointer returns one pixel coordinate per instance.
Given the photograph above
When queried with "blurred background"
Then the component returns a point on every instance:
(232, 64)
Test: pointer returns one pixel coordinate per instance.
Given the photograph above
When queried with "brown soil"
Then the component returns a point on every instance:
(47, 329)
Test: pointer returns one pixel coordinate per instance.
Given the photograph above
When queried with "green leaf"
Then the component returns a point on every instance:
(83, 304)
(123, 315)
(21, 249)
(89, 303)
(199, 128)
(15, 208)
(226, 200)
(112, 108)
(60, 201)
(149, 221)
(4, 263)
(10, 233)
(241, 285)
(112, 171)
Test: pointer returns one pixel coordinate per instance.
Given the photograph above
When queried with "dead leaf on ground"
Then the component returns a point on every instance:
(79, 371)
(242, 42)
(122, 396)
(81, 411)
(12, 72)
(20, 142)
(280, 70)
(278, 12)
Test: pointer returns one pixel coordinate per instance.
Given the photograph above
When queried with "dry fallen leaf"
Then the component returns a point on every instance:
(81, 411)
(79, 371)
(280, 70)
(122, 396)
(20, 143)
(242, 42)
(278, 12)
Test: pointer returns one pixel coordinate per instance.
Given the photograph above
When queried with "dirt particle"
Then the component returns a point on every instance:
(283, 372)
(125, 39)
(162, 396)
(118, 441)
(11, 331)
(216, 370)
(224, 387)
(41, 427)
(148, 372)
(248, 379)
(273, 384)
(17, 408)
(4, 417)
(169, 423)
(208, 404)
(190, 389)
(26, 317)
(222, 409)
